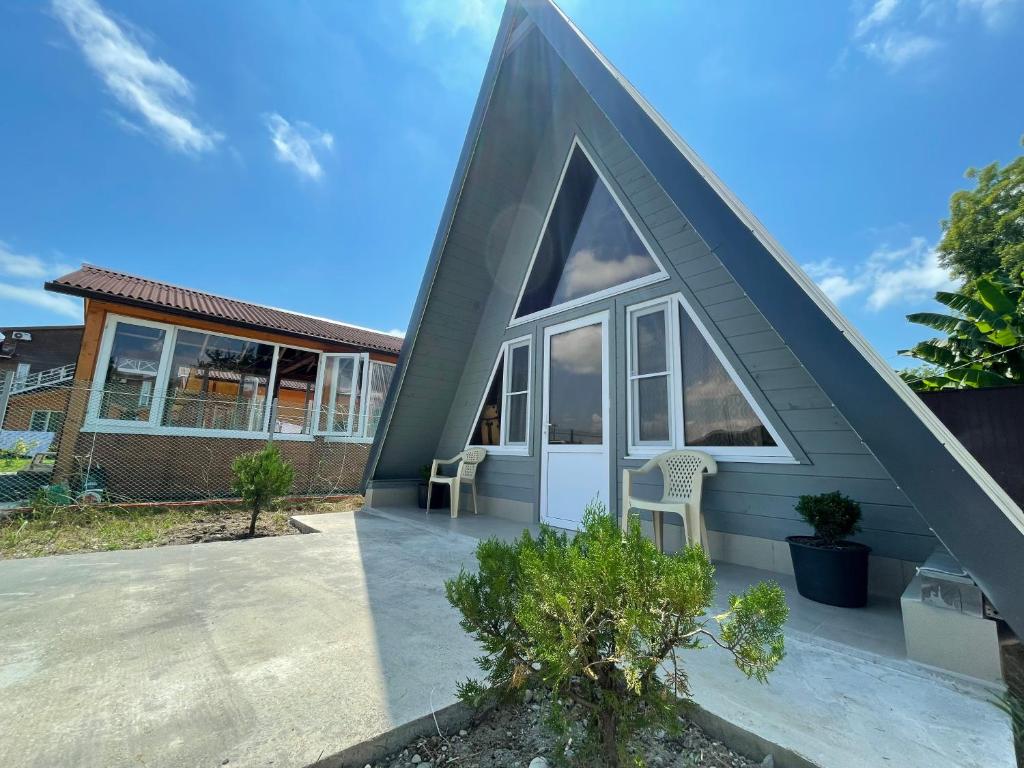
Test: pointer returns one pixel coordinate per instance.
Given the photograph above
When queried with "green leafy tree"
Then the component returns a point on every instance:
(984, 338)
(595, 619)
(985, 228)
(261, 478)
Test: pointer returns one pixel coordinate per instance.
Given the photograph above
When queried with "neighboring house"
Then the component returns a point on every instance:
(172, 384)
(36, 358)
(595, 296)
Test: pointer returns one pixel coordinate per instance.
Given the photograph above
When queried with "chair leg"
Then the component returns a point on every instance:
(659, 530)
(430, 487)
(476, 509)
(455, 493)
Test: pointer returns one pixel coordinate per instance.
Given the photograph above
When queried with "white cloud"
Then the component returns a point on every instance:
(899, 48)
(52, 302)
(993, 12)
(19, 265)
(396, 332)
(887, 277)
(479, 18)
(296, 144)
(879, 13)
(148, 86)
(586, 273)
(898, 32)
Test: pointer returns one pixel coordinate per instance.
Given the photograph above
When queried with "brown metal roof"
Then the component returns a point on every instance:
(96, 282)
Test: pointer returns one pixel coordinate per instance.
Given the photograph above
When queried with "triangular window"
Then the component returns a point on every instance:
(503, 419)
(715, 412)
(588, 248)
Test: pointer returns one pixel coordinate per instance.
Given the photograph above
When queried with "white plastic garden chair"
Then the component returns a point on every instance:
(468, 461)
(683, 475)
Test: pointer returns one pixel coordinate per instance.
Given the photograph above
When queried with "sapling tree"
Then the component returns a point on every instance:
(600, 621)
(261, 477)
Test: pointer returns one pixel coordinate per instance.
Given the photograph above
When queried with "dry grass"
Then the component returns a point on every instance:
(70, 529)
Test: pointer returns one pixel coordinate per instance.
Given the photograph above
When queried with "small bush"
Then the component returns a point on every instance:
(833, 516)
(261, 478)
(595, 619)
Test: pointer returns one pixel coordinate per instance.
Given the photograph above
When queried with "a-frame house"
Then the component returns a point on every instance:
(595, 295)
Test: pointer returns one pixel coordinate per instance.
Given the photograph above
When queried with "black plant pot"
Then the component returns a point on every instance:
(834, 575)
(438, 498)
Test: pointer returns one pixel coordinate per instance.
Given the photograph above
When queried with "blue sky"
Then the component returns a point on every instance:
(299, 154)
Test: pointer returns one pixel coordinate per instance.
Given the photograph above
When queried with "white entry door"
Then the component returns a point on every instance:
(575, 434)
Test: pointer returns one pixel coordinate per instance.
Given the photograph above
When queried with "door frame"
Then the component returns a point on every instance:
(601, 318)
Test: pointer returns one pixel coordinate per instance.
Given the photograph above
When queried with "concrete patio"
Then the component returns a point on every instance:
(286, 651)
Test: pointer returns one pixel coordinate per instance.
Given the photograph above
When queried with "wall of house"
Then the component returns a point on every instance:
(21, 406)
(166, 466)
(51, 347)
(746, 501)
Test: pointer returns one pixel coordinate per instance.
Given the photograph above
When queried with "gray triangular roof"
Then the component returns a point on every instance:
(967, 510)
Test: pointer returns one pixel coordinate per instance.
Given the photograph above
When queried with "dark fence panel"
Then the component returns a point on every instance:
(990, 424)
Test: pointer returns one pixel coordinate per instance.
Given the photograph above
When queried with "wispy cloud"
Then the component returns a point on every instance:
(896, 33)
(65, 306)
(297, 144)
(142, 84)
(889, 276)
(396, 332)
(27, 273)
(478, 18)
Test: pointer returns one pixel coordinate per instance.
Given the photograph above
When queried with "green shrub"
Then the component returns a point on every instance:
(261, 477)
(596, 618)
(832, 515)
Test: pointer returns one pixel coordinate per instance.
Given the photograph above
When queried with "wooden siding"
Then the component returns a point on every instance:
(754, 499)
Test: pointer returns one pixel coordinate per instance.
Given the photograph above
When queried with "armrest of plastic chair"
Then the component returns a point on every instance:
(627, 488)
(438, 462)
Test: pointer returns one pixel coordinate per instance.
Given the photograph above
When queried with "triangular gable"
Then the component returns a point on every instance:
(965, 508)
(589, 247)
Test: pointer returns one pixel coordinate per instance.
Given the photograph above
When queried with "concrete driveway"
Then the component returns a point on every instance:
(269, 652)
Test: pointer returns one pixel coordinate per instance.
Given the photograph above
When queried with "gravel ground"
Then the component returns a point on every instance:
(514, 735)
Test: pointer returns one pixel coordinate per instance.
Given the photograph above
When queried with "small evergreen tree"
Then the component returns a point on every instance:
(833, 516)
(261, 477)
(594, 619)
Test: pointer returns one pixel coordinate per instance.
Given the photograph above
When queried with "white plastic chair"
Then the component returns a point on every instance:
(468, 461)
(683, 474)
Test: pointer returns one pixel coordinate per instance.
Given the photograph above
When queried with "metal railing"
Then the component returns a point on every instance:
(45, 378)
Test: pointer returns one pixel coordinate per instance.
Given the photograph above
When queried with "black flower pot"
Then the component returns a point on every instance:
(832, 574)
(438, 499)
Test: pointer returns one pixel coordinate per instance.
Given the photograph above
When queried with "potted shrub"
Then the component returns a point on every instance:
(438, 499)
(828, 568)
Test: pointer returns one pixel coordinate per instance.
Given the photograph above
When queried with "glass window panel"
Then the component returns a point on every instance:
(380, 380)
(488, 426)
(588, 244)
(715, 412)
(132, 367)
(652, 409)
(651, 356)
(575, 395)
(294, 389)
(217, 382)
(516, 419)
(519, 378)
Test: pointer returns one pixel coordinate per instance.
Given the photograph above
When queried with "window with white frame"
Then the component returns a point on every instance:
(175, 380)
(46, 421)
(503, 418)
(683, 392)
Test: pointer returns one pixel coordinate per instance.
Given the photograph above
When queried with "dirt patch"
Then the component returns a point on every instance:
(69, 530)
(515, 734)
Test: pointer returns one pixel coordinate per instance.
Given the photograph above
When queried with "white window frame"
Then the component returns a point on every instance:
(49, 417)
(632, 377)
(158, 394)
(357, 435)
(672, 305)
(615, 290)
(504, 448)
(21, 372)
